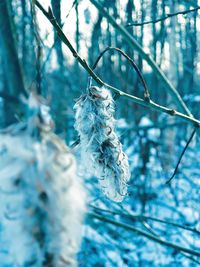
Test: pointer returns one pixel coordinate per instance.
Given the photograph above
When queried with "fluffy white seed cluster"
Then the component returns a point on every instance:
(42, 201)
(63, 200)
(18, 203)
(100, 147)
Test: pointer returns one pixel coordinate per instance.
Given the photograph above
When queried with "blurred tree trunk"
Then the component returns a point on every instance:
(28, 56)
(190, 54)
(109, 36)
(138, 87)
(163, 34)
(154, 15)
(141, 37)
(58, 44)
(95, 40)
(188, 38)
(12, 66)
(77, 27)
(130, 8)
(24, 25)
(155, 35)
(173, 62)
(13, 82)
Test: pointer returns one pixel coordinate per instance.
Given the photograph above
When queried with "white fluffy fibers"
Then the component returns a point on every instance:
(18, 202)
(100, 147)
(42, 201)
(63, 199)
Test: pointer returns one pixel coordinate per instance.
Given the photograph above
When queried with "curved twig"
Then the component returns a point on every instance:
(135, 45)
(182, 154)
(146, 91)
(150, 104)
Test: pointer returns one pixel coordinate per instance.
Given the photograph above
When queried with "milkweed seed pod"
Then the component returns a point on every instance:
(100, 147)
(42, 201)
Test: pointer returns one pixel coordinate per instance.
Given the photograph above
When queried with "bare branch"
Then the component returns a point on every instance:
(150, 104)
(145, 234)
(142, 217)
(135, 45)
(182, 154)
(146, 91)
(131, 24)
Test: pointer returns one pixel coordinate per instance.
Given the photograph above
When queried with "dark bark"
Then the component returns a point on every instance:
(58, 44)
(13, 71)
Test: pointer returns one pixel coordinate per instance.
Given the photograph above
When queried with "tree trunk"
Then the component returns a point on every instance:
(11, 64)
(58, 44)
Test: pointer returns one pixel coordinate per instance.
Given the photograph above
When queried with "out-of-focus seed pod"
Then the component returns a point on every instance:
(42, 201)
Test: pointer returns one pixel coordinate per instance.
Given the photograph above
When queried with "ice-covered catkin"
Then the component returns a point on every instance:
(100, 147)
(63, 199)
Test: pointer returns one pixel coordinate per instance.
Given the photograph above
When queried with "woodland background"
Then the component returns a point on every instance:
(32, 57)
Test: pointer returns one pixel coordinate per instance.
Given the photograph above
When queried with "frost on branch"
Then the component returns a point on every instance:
(42, 199)
(100, 147)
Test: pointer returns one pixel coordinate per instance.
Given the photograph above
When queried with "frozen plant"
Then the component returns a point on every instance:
(42, 200)
(62, 199)
(18, 217)
(101, 150)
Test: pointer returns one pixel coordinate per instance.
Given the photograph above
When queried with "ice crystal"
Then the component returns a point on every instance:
(100, 146)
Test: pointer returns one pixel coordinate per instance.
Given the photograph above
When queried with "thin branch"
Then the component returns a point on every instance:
(151, 104)
(145, 234)
(182, 154)
(56, 39)
(136, 46)
(75, 143)
(131, 24)
(146, 218)
(146, 91)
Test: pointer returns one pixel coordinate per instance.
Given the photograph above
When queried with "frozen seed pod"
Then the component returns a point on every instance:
(101, 149)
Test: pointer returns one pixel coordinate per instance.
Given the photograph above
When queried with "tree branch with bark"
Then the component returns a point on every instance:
(150, 104)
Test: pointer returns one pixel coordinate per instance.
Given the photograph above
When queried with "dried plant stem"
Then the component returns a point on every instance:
(150, 104)
(143, 233)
